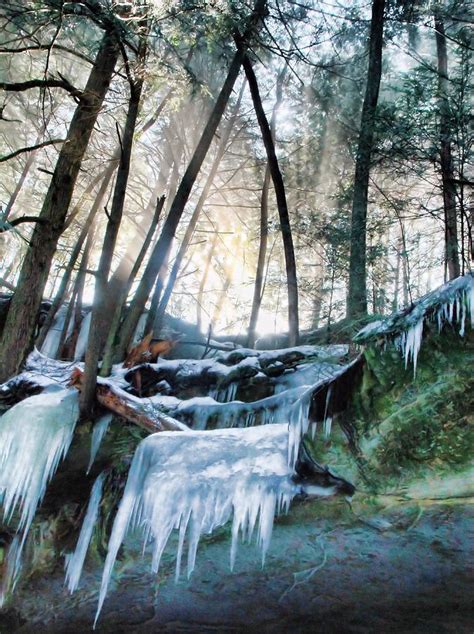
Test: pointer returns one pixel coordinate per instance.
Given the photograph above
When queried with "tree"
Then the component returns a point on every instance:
(277, 178)
(18, 332)
(357, 297)
(102, 311)
(184, 190)
(446, 160)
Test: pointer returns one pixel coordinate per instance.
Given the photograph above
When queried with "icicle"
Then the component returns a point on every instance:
(463, 304)
(75, 561)
(470, 301)
(35, 435)
(11, 569)
(327, 421)
(298, 424)
(413, 343)
(51, 342)
(81, 343)
(98, 433)
(196, 481)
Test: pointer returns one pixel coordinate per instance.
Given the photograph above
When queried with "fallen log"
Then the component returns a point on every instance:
(129, 407)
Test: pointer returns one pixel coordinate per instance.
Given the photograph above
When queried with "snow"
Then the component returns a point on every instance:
(196, 481)
(98, 433)
(35, 435)
(75, 561)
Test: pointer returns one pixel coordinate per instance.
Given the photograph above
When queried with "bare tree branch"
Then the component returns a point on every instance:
(30, 148)
(46, 47)
(42, 83)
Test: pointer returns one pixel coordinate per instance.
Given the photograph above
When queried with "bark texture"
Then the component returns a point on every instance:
(446, 158)
(102, 310)
(277, 178)
(357, 299)
(20, 325)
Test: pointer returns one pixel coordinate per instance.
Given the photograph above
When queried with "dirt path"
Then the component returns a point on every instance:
(414, 577)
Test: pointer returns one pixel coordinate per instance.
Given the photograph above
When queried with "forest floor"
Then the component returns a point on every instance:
(415, 576)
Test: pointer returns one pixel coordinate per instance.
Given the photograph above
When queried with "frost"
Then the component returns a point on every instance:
(98, 433)
(75, 561)
(196, 481)
(35, 435)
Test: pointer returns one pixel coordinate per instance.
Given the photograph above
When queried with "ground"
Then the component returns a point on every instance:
(413, 577)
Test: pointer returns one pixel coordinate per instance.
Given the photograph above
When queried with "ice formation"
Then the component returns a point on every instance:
(35, 435)
(299, 418)
(201, 410)
(196, 481)
(51, 342)
(452, 303)
(75, 560)
(83, 337)
(98, 433)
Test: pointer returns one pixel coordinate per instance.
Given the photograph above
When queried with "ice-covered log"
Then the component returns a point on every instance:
(196, 481)
(219, 377)
(127, 406)
(451, 304)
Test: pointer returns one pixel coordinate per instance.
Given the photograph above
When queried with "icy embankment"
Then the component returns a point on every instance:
(197, 481)
(35, 435)
(452, 303)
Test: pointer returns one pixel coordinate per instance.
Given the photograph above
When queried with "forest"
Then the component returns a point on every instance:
(236, 305)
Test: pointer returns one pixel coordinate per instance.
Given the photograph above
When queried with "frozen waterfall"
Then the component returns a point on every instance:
(197, 481)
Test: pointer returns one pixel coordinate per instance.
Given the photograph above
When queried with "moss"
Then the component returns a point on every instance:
(406, 422)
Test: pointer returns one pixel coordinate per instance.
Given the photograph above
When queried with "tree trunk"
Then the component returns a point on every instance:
(102, 311)
(357, 297)
(446, 159)
(262, 251)
(67, 345)
(20, 325)
(177, 207)
(59, 298)
(120, 285)
(203, 282)
(262, 255)
(162, 273)
(158, 322)
(279, 187)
